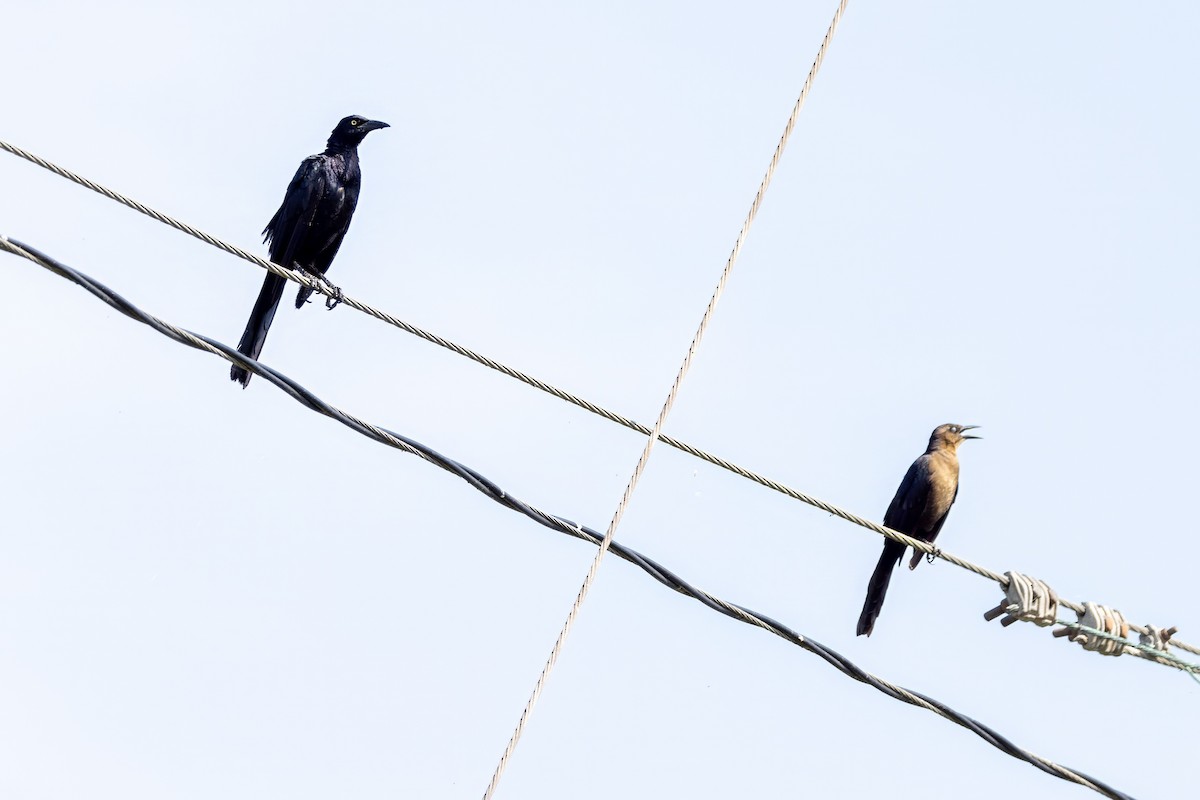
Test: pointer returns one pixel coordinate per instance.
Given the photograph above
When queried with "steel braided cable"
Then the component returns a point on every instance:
(563, 525)
(668, 404)
(541, 385)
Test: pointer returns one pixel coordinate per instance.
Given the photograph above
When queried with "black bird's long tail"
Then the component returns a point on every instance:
(261, 317)
(893, 551)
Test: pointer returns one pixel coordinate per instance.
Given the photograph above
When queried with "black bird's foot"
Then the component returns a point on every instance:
(333, 294)
(933, 556)
(335, 297)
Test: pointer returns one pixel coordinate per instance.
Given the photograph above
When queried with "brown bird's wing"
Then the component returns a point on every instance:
(907, 509)
(903, 515)
(933, 530)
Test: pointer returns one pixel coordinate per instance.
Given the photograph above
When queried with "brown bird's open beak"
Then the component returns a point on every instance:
(970, 428)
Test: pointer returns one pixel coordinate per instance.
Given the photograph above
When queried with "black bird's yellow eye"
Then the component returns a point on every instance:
(355, 122)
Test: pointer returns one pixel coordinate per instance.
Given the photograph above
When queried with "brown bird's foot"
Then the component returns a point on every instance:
(915, 561)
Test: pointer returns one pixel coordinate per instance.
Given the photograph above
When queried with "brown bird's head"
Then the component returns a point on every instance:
(950, 436)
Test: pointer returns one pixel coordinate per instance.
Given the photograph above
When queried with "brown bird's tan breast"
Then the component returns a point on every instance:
(943, 485)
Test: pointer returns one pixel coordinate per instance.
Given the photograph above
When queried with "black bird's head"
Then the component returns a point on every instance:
(950, 436)
(353, 129)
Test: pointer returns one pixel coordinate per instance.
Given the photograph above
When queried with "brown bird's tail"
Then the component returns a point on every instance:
(255, 335)
(877, 589)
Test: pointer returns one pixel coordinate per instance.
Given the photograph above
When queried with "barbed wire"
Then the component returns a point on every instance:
(1143, 650)
(529, 380)
(492, 490)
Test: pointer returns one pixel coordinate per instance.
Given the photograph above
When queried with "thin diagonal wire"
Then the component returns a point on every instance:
(493, 491)
(668, 404)
(542, 385)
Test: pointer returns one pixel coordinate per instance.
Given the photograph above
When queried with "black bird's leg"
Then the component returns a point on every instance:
(333, 293)
(312, 276)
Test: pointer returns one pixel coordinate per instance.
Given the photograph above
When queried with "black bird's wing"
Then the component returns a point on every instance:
(328, 239)
(285, 235)
(286, 231)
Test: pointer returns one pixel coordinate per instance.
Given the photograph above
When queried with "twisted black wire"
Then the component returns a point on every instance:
(493, 491)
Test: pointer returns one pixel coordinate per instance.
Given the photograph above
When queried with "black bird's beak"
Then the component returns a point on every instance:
(373, 125)
(970, 428)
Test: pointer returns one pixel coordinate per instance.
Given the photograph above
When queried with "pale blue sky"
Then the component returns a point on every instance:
(209, 592)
